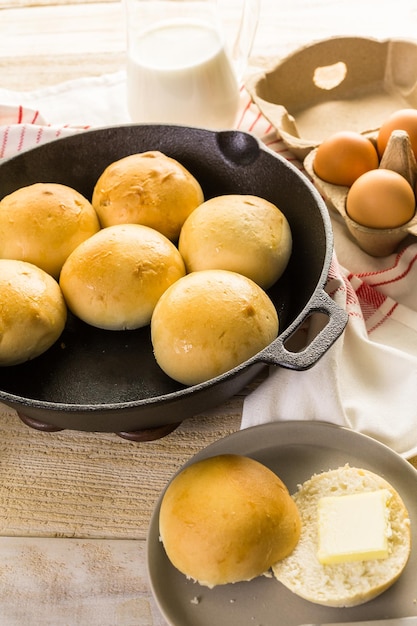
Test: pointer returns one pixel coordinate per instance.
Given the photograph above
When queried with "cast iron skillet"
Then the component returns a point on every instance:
(108, 381)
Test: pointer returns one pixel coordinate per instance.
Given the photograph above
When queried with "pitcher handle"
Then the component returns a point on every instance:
(245, 37)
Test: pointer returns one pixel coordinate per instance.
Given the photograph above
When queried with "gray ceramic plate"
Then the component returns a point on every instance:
(295, 451)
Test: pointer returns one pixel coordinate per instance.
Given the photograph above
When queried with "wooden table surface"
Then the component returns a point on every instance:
(75, 507)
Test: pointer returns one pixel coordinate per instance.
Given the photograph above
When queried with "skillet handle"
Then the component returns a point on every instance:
(278, 354)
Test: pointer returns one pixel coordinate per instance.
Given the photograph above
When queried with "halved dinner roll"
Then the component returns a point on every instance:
(343, 584)
(32, 311)
(241, 233)
(147, 188)
(115, 278)
(43, 223)
(208, 323)
(227, 519)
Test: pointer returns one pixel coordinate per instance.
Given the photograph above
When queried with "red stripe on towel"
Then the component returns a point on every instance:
(22, 139)
(370, 299)
(35, 117)
(4, 142)
(391, 274)
(403, 274)
(384, 317)
(39, 135)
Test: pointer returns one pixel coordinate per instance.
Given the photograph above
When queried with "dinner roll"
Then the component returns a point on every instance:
(208, 323)
(241, 233)
(114, 279)
(32, 311)
(149, 188)
(348, 583)
(43, 223)
(227, 519)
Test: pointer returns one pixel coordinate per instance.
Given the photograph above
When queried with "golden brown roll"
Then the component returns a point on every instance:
(148, 188)
(227, 519)
(32, 311)
(114, 279)
(208, 323)
(240, 233)
(43, 223)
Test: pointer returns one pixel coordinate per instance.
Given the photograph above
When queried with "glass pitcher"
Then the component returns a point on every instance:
(180, 68)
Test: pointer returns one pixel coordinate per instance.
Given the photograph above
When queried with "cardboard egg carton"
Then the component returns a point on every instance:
(378, 242)
(342, 83)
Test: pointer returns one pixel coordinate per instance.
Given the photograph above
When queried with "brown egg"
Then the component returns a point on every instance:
(381, 199)
(343, 157)
(404, 119)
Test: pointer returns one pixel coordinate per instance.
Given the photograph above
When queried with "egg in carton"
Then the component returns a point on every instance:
(378, 242)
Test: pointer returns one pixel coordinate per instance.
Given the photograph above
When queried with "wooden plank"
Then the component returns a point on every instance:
(93, 485)
(24, 4)
(70, 41)
(28, 73)
(62, 29)
(68, 582)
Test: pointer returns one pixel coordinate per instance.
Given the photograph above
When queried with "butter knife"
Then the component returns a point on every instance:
(395, 621)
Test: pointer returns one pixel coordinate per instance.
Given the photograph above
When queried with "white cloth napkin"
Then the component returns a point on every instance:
(368, 380)
(28, 119)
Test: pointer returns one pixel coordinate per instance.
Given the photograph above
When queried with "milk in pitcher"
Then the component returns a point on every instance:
(179, 73)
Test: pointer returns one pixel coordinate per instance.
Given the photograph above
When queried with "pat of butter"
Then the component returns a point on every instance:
(354, 527)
